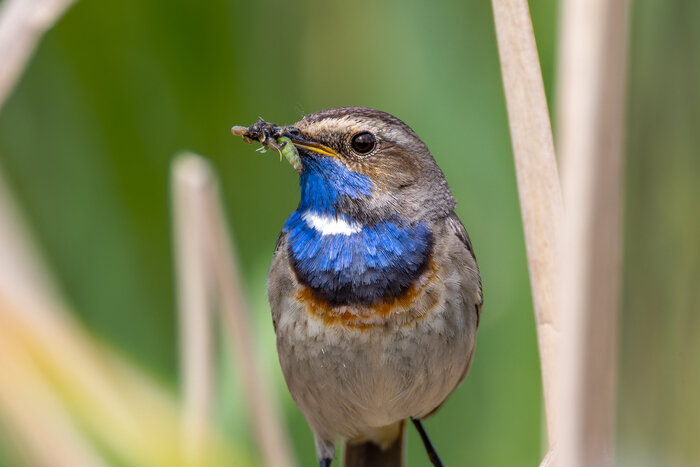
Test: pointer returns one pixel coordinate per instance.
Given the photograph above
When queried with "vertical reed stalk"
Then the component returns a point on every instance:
(590, 142)
(538, 182)
(191, 179)
(266, 417)
(221, 269)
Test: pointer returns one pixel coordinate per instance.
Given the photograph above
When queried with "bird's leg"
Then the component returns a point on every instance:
(429, 448)
(326, 462)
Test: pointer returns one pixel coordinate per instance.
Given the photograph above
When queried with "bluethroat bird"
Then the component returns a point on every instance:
(374, 288)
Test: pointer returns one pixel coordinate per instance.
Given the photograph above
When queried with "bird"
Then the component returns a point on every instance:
(374, 288)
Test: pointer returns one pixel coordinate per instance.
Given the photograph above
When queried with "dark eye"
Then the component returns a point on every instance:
(363, 143)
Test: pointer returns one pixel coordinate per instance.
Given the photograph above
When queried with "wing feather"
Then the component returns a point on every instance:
(456, 226)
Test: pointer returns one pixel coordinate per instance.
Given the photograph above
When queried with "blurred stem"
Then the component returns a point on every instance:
(538, 182)
(195, 300)
(590, 140)
(35, 415)
(266, 418)
(221, 267)
(22, 23)
(47, 356)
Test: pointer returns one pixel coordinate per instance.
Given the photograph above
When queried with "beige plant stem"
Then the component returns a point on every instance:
(22, 24)
(590, 142)
(195, 301)
(48, 439)
(538, 182)
(265, 417)
(108, 402)
(267, 420)
(24, 281)
(22, 273)
(50, 364)
(52, 367)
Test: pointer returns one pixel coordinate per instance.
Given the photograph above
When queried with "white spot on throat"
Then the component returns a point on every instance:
(330, 225)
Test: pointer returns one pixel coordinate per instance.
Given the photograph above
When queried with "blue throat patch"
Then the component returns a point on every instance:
(324, 182)
(370, 264)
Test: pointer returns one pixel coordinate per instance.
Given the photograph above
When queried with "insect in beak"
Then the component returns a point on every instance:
(285, 140)
(270, 136)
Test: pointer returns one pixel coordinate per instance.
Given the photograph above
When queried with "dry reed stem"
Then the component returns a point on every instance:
(49, 362)
(538, 182)
(51, 366)
(22, 24)
(590, 141)
(550, 459)
(51, 438)
(87, 379)
(267, 420)
(39, 423)
(265, 417)
(110, 404)
(195, 301)
(33, 316)
(22, 273)
(23, 276)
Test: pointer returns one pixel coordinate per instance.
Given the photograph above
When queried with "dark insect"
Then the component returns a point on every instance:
(270, 136)
(265, 133)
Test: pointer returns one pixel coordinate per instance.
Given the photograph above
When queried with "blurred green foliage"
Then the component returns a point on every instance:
(660, 358)
(117, 88)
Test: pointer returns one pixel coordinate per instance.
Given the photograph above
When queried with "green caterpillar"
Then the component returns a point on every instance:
(289, 151)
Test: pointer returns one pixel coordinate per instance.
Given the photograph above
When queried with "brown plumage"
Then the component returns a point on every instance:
(374, 288)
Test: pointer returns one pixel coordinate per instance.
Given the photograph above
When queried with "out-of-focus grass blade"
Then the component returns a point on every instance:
(97, 400)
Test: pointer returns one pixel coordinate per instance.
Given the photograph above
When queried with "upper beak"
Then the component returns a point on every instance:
(310, 145)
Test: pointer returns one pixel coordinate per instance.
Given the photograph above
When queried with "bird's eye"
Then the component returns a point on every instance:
(363, 143)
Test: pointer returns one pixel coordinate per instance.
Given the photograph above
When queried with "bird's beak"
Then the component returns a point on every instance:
(310, 145)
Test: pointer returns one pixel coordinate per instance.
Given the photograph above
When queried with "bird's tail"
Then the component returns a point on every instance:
(390, 453)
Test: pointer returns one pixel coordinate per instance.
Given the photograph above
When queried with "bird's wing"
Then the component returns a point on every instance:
(455, 225)
(280, 240)
(279, 269)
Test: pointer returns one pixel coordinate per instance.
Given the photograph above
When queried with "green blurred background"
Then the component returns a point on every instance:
(117, 88)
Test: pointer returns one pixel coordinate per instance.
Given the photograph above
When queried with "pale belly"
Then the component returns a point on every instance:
(346, 381)
(353, 370)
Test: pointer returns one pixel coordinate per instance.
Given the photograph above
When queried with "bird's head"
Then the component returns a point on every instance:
(367, 165)
(371, 193)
